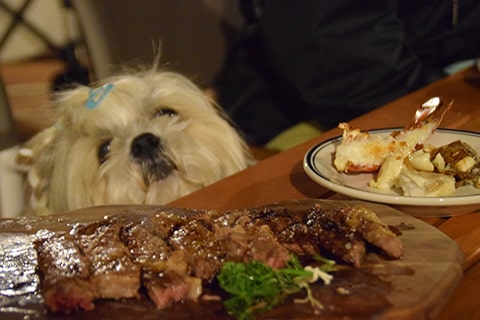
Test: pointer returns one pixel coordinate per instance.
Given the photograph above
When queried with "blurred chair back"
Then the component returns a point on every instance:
(11, 181)
(7, 127)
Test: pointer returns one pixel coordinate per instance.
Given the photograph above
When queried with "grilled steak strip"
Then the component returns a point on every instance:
(170, 252)
(164, 278)
(111, 267)
(366, 222)
(66, 281)
(308, 233)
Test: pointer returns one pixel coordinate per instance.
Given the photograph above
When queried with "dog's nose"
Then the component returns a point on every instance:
(143, 145)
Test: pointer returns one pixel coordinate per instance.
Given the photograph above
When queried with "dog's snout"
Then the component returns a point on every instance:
(149, 155)
(143, 145)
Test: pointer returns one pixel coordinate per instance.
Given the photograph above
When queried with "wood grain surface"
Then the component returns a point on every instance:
(414, 287)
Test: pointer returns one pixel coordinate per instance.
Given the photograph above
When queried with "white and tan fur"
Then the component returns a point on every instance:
(197, 145)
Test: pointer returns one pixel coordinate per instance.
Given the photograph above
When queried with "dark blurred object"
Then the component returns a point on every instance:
(74, 73)
(331, 61)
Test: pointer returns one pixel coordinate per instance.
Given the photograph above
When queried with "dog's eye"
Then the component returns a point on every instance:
(169, 112)
(103, 151)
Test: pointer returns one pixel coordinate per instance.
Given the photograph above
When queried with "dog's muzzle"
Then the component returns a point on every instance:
(148, 152)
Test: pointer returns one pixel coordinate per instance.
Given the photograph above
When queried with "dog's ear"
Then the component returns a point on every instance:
(36, 145)
(36, 158)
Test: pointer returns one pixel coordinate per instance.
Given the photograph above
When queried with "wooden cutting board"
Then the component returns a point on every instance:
(414, 287)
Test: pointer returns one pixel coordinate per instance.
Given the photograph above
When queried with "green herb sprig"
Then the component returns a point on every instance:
(255, 287)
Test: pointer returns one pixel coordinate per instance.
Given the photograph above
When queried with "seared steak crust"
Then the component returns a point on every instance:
(170, 252)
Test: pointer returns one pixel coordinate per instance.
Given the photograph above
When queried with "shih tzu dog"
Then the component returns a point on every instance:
(145, 137)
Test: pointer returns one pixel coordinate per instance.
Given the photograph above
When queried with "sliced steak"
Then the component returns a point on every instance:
(171, 252)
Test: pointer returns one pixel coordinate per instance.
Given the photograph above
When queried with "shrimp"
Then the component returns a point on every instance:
(360, 151)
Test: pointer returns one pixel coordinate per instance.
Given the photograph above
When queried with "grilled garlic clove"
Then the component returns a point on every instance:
(465, 164)
(439, 162)
(420, 160)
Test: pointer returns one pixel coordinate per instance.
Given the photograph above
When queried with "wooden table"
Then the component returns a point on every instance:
(282, 177)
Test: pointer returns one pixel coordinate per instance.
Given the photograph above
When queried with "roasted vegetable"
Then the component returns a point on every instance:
(460, 160)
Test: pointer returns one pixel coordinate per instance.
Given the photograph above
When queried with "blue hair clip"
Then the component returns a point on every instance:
(97, 95)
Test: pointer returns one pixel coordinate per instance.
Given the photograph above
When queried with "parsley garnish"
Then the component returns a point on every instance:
(255, 287)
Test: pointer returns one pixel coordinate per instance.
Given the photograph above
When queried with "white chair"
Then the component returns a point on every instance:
(11, 181)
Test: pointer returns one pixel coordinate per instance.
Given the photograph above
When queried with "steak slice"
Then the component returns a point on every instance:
(243, 244)
(202, 252)
(364, 221)
(166, 288)
(111, 267)
(66, 281)
(164, 271)
(146, 250)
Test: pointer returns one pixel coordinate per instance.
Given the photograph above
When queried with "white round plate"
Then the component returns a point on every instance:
(318, 164)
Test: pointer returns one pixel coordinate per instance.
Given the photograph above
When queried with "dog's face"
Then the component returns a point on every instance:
(146, 138)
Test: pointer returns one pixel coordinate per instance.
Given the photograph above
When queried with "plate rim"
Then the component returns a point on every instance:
(323, 180)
